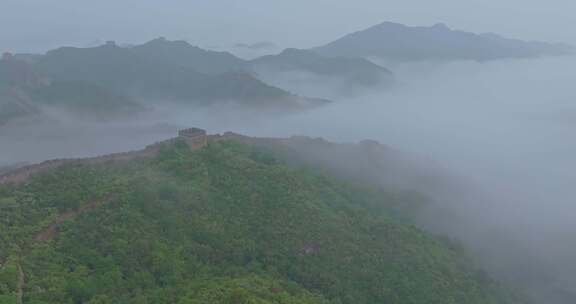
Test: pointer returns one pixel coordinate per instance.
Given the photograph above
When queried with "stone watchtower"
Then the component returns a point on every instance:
(194, 137)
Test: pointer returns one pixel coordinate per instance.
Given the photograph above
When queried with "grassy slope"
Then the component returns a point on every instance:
(226, 224)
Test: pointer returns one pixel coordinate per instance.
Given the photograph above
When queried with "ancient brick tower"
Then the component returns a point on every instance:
(194, 137)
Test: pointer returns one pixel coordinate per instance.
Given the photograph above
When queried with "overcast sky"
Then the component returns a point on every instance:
(34, 25)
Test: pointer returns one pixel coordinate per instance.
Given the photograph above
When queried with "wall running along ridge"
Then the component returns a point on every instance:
(195, 138)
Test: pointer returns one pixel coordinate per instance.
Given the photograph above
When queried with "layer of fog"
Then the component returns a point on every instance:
(506, 128)
(334, 88)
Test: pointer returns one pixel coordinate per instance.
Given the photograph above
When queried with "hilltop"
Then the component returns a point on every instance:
(220, 219)
(183, 54)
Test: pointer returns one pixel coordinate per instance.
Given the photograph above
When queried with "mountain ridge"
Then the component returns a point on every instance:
(396, 41)
(182, 53)
(120, 74)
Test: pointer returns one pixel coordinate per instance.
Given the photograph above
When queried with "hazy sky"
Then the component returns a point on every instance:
(32, 25)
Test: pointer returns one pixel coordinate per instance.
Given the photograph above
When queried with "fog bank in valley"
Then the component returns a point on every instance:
(504, 128)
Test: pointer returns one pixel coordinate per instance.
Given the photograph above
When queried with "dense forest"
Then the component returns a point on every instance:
(228, 223)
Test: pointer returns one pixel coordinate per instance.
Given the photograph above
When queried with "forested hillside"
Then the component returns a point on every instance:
(227, 223)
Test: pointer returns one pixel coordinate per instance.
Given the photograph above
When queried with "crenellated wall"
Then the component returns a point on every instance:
(195, 138)
(23, 174)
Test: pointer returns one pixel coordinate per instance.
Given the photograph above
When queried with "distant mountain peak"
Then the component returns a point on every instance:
(398, 42)
(441, 26)
(182, 53)
(164, 41)
(388, 24)
(293, 51)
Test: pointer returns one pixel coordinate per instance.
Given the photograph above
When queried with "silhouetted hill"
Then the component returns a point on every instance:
(157, 75)
(399, 42)
(354, 71)
(107, 65)
(183, 54)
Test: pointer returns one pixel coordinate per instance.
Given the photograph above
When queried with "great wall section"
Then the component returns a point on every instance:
(195, 138)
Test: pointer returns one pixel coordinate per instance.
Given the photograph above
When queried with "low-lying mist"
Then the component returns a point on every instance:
(504, 128)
